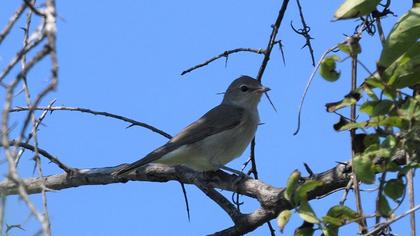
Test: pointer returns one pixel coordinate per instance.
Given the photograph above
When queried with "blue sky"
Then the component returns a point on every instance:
(126, 57)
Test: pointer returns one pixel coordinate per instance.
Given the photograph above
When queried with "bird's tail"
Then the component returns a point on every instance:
(151, 157)
(137, 164)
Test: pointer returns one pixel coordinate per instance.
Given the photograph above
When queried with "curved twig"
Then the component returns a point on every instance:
(308, 84)
(100, 113)
(224, 54)
(44, 153)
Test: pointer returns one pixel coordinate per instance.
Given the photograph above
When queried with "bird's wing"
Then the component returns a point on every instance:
(209, 124)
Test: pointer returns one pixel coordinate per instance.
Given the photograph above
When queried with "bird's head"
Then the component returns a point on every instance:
(244, 92)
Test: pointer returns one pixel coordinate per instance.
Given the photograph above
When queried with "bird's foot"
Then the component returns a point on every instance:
(239, 173)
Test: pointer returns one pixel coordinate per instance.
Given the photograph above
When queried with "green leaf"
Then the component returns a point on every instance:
(412, 165)
(330, 230)
(404, 71)
(302, 190)
(371, 139)
(368, 107)
(334, 106)
(375, 81)
(394, 188)
(351, 46)
(389, 142)
(386, 121)
(355, 125)
(348, 100)
(355, 8)
(327, 68)
(292, 184)
(342, 212)
(340, 123)
(332, 220)
(338, 215)
(375, 151)
(410, 109)
(383, 107)
(402, 36)
(384, 208)
(368, 90)
(283, 218)
(306, 212)
(306, 229)
(393, 167)
(364, 169)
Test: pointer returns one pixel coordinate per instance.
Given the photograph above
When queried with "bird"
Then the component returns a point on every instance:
(219, 136)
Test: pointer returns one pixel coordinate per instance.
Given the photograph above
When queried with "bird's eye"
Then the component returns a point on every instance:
(244, 88)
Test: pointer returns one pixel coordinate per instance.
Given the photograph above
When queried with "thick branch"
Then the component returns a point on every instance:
(270, 198)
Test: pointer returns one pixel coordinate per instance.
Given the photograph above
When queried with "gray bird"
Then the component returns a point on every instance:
(218, 137)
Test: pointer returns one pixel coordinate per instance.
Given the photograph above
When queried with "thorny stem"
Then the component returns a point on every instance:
(272, 39)
(362, 222)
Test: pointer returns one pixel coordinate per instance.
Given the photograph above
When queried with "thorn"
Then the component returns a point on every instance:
(308, 169)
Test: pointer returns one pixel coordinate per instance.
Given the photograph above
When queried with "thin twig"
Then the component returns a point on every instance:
(44, 153)
(10, 155)
(20, 54)
(25, 82)
(3, 199)
(304, 31)
(377, 15)
(308, 84)
(253, 169)
(35, 124)
(272, 39)
(411, 200)
(364, 67)
(224, 54)
(346, 192)
(33, 8)
(11, 22)
(382, 225)
(362, 223)
(379, 196)
(100, 113)
(34, 129)
(37, 58)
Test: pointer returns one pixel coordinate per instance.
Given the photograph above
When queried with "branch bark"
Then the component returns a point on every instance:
(270, 198)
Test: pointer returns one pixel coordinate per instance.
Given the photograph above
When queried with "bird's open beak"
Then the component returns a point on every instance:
(262, 89)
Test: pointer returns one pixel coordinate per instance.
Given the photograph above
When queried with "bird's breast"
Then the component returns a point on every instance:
(225, 146)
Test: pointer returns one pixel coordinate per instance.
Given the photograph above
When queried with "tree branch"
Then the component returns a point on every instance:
(270, 198)
(224, 54)
(272, 39)
(100, 113)
(11, 22)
